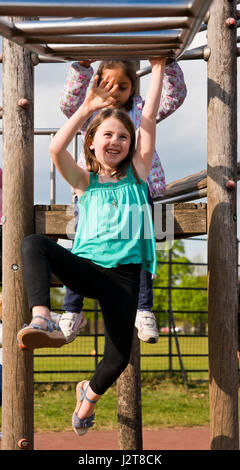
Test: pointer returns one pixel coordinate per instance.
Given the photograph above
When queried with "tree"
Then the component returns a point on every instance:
(192, 300)
(181, 275)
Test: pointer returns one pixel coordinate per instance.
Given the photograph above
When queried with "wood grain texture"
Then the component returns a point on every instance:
(18, 126)
(222, 231)
(58, 221)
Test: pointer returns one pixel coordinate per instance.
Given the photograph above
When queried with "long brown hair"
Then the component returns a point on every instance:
(128, 68)
(93, 164)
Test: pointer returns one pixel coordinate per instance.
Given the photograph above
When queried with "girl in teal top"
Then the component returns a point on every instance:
(128, 235)
(115, 236)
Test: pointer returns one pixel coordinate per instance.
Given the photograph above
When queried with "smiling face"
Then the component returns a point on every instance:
(111, 143)
(124, 90)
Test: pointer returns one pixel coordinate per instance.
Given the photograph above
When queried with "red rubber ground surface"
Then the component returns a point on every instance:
(164, 439)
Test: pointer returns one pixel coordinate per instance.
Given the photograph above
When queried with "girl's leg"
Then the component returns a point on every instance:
(73, 302)
(145, 299)
(40, 257)
(145, 319)
(72, 320)
(118, 301)
(119, 304)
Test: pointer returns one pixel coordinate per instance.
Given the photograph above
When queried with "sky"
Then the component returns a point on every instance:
(181, 138)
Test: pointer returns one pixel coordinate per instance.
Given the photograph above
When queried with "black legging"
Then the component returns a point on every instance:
(116, 289)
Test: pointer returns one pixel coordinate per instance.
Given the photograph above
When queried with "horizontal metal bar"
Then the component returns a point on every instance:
(145, 71)
(163, 335)
(69, 355)
(173, 354)
(201, 52)
(182, 288)
(44, 59)
(8, 30)
(102, 48)
(101, 8)
(193, 196)
(133, 55)
(43, 131)
(100, 25)
(172, 371)
(107, 39)
(195, 12)
(188, 263)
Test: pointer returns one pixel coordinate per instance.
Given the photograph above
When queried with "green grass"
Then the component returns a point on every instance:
(165, 403)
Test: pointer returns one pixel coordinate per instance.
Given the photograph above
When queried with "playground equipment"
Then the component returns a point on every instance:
(133, 30)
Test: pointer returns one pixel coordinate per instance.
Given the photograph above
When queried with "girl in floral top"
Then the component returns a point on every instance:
(73, 95)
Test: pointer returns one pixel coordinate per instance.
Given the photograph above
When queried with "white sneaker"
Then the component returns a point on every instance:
(55, 317)
(70, 323)
(146, 325)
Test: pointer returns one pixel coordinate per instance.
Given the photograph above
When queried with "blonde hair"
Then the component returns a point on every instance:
(93, 165)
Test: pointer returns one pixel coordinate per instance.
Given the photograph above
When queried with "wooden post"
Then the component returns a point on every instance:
(129, 402)
(129, 393)
(18, 217)
(222, 235)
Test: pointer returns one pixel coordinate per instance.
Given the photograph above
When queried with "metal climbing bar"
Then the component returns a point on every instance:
(99, 25)
(132, 29)
(124, 38)
(107, 8)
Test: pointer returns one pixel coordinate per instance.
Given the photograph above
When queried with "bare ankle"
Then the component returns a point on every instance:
(42, 311)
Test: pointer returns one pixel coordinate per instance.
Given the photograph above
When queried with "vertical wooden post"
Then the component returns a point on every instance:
(222, 235)
(18, 135)
(129, 402)
(129, 393)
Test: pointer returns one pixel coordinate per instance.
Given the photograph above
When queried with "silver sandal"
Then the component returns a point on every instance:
(34, 336)
(81, 426)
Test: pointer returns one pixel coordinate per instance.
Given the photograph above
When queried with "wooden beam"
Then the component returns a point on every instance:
(190, 219)
(57, 221)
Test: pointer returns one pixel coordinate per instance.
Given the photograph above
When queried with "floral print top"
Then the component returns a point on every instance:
(173, 95)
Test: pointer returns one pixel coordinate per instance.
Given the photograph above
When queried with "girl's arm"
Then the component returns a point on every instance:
(147, 132)
(75, 87)
(174, 91)
(97, 98)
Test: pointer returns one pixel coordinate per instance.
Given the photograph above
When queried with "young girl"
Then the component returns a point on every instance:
(173, 95)
(108, 253)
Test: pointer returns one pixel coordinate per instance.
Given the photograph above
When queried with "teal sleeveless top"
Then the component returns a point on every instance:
(115, 224)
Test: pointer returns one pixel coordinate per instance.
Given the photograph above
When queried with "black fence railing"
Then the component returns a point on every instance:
(177, 352)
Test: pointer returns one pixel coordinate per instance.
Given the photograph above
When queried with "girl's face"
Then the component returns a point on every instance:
(111, 143)
(124, 89)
